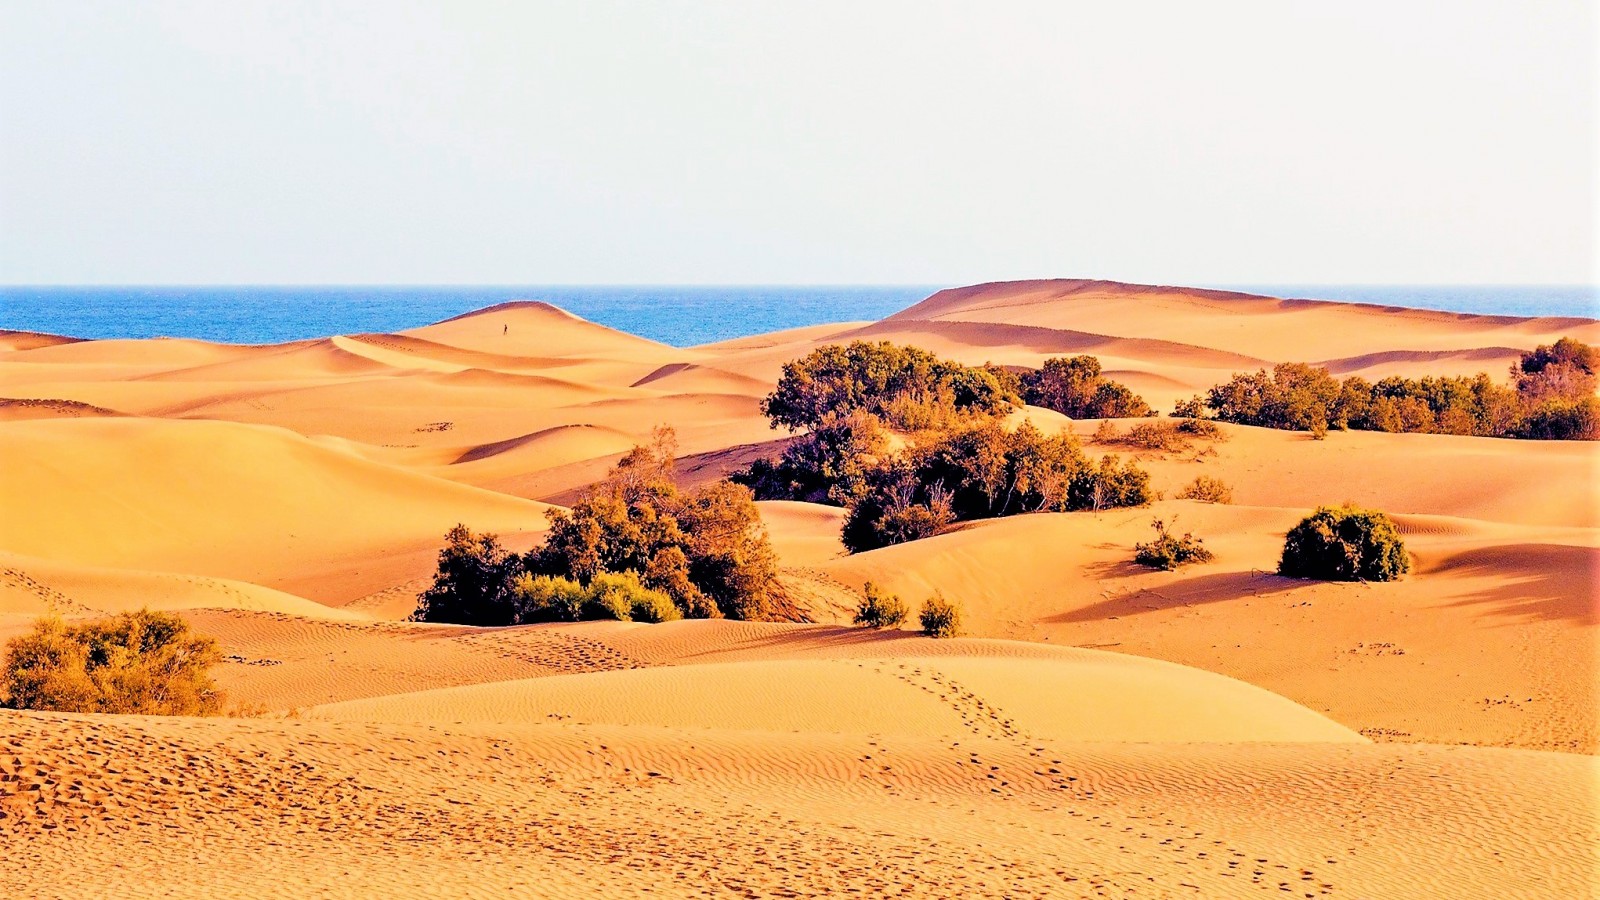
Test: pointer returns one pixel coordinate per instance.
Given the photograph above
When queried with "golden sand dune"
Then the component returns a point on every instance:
(1088, 695)
(250, 808)
(289, 500)
(226, 500)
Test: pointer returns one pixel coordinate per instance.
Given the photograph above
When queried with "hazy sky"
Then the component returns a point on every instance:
(462, 142)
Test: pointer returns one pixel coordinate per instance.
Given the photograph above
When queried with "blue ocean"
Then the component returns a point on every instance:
(682, 316)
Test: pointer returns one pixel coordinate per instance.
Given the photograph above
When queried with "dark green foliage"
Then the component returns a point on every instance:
(827, 465)
(143, 663)
(878, 609)
(1563, 420)
(1344, 544)
(907, 387)
(471, 585)
(1074, 387)
(1169, 551)
(984, 471)
(940, 618)
(1551, 397)
(706, 548)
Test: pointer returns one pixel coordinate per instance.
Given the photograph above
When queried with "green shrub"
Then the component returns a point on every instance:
(940, 618)
(878, 609)
(707, 548)
(1073, 386)
(622, 596)
(1169, 551)
(907, 387)
(472, 584)
(1202, 428)
(144, 663)
(1207, 489)
(546, 598)
(1156, 435)
(1563, 420)
(1344, 544)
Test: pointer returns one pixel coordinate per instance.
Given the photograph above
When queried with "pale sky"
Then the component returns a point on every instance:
(749, 143)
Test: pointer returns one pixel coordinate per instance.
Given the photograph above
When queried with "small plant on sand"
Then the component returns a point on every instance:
(1207, 489)
(1156, 435)
(1202, 428)
(879, 609)
(1344, 543)
(1107, 433)
(940, 618)
(620, 596)
(1169, 551)
(142, 663)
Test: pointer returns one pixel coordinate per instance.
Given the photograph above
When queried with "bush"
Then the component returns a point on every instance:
(1202, 428)
(1107, 433)
(940, 618)
(1207, 489)
(609, 595)
(1551, 397)
(472, 584)
(1074, 387)
(1169, 551)
(546, 598)
(143, 663)
(706, 548)
(878, 609)
(828, 465)
(1344, 544)
(905, 386)
(1156, 435)
(985, 471)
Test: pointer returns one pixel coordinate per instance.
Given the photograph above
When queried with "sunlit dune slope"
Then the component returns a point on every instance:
(1093, 696)
(226, 500)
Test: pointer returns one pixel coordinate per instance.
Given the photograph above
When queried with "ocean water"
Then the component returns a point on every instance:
(682, 316)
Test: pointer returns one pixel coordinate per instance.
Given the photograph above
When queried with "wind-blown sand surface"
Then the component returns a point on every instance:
(1105, 731)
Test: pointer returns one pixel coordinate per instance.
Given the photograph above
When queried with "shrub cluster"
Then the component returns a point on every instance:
(1169, 551)
(608, 595)
(704, 549)
(940, 618)
(1073, 386)
(144, 663)
(961, 463)
(1551, 396)
(1208, 489)
(1344, 544)
(906, 387)
(878, 609)
(984, 471)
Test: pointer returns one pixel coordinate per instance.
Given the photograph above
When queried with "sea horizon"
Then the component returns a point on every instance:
(679, 315)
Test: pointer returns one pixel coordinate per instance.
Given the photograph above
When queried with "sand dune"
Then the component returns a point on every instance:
(312, 511)
(1104, 730)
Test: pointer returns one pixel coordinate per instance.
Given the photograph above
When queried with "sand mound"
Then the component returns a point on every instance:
(537, 329)
(224, 500)
(1097, 696)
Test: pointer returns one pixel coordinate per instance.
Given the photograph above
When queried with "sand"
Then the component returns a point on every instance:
(1103, 730)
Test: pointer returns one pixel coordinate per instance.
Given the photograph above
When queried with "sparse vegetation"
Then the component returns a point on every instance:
(985, 471)
(1074, 387)
(706, 550)
(940, 618)
(879, 609)
(1344, 544)
(143, 663)
(1208, 489)
(1169, 551)
(906, 387)
(1550, 397)
(1156, 435)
